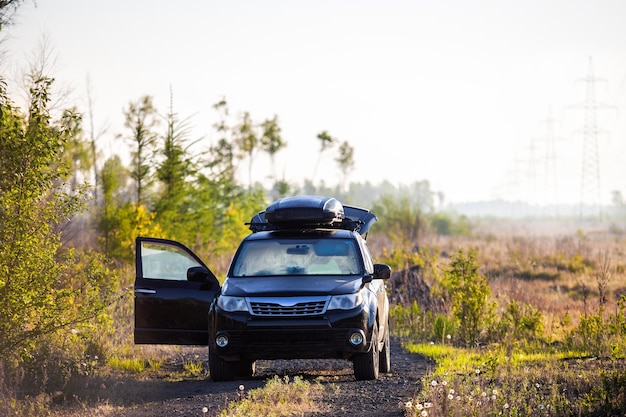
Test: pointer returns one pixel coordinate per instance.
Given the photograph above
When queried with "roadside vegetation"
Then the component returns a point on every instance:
(69, 219)
(516, 321)
(525, 326)
(279, 397)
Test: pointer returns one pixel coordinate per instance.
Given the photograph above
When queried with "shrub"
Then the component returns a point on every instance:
(467, 291)
(51, 297)
(520, 324)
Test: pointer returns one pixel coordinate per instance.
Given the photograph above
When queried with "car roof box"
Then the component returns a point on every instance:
(308, 212)
(304, 211)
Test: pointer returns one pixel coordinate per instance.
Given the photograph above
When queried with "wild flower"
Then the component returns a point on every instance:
(408, 404)
(434, 383)
(506, 405)
(428, 405)
(450, 396)
(240, 392)
(424, 413)
(204, 410)
(419, 406)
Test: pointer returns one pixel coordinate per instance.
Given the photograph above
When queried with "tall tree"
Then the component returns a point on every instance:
(76, 152)
(7, 10)
(272, 141)
(345, 159)
(93, 139)
(173, 173)
(221, 155)
(247, 141)
(113, 177)
(175, 165)
(141, 119)
(326, 142)
(120, 221)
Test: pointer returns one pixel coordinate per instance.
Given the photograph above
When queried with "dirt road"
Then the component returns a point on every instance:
(344, 396)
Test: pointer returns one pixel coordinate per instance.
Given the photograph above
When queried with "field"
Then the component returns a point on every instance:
(511, 319)
(546, 302)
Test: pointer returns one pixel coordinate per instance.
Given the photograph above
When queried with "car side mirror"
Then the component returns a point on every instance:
(199, 274)
(382, 271)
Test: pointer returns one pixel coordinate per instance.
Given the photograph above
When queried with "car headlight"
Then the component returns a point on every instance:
(345, 302)
(231, 304)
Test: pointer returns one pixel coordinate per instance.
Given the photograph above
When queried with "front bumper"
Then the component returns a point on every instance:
(324, 336)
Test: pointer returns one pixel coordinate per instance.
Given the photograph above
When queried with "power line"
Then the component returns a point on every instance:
(590, 186)
(550, 190)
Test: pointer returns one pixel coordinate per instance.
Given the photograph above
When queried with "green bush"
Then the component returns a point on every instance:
(467, 292)
(520, 324)
(51, 297)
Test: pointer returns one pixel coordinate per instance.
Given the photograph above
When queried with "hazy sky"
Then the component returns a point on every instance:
(453, 92)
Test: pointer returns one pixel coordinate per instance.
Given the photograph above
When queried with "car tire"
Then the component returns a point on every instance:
(385, 353)
(366, 364)
(221, 370)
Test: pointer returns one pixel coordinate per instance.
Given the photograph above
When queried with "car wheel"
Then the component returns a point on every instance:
(385, 353)
(221, 370)
(246, 369)
(366, 364)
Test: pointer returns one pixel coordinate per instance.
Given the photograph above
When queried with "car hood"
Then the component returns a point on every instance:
(291, 286)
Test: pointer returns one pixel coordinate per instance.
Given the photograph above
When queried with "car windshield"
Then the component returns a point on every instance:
(296, 257)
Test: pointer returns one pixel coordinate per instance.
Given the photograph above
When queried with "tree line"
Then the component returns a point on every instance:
(64, 242)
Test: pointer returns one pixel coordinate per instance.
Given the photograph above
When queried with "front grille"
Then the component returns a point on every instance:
(286, 308)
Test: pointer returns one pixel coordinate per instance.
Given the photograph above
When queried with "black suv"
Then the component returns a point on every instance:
(301, 286)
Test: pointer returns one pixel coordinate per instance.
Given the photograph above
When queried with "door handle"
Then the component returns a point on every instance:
(144, 291)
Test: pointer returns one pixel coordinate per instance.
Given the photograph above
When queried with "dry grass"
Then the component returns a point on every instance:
(575, 278)
(559, 269)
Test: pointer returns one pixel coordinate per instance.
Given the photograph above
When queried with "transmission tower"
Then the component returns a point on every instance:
(550, 190)
(590, 190)
(532, 173)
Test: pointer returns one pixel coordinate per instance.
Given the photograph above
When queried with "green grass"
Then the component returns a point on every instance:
(471, 382)
(134, 365)
(193, 368)
(279, 397)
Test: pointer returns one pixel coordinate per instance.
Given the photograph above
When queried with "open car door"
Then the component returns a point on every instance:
(173, 292)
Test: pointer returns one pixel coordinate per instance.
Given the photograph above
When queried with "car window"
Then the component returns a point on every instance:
(163, 261)
(296, 257)
(367, 258)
